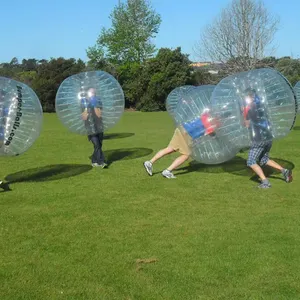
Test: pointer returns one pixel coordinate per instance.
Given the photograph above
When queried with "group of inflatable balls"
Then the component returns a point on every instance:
(241, 110)
(216, 118)
(21, 114)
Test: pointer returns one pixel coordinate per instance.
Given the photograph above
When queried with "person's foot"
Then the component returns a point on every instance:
(148, 167)
(264, 185)
(103, 165)
(288, 176)
(168, 174)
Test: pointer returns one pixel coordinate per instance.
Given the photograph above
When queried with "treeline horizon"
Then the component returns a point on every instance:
(146, 85)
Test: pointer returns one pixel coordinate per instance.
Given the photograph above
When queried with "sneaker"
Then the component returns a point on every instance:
(288, 176)
(168, 174)
(264, 185)
(103, 165)
(95, 165)
(148, 167)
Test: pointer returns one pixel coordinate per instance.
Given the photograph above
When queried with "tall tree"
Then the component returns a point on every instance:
(134, 24)
(290, 68)
(50, 75)
(240, 35)
(160, 75)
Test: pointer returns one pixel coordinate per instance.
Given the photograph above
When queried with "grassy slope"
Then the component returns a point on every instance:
(71, 232)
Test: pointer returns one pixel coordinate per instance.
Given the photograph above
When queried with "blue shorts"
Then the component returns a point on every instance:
(259, 153)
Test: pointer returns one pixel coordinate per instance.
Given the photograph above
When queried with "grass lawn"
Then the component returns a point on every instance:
(72, 232)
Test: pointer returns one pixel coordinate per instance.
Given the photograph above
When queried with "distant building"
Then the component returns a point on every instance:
(200, 64)
(212, 68)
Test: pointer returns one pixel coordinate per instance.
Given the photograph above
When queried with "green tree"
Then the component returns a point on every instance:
(28, 77)
(30, 64)
(290, 68)
(160, 75)
(132, 82)
(134, 24)
(50, 75)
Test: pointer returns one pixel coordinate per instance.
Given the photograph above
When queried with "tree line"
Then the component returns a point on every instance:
(146, 85)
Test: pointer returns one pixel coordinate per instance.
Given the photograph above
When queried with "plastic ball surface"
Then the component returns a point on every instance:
(175, 96)
(21, 117)
(90, 102)
(193, 115)
(297, 91)
(255, 106)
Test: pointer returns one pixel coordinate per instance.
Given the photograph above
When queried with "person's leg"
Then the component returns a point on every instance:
(94, 140)
(265, 160)
(176, 163)
(161, 153)
(97, 155)
(101, 157)
(286, 173)
(258, 171)
(255, 153)
(273, 164)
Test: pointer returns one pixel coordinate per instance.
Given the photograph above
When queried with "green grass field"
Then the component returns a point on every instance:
(72, 232)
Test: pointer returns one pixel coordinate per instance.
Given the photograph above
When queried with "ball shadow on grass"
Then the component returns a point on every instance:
(125, 154)
(122, 135)
(47, 173)
(236, 166)
(296, 128)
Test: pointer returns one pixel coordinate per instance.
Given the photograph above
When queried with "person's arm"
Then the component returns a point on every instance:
(246, 112)
(84, 114)
(98, 112)
(97, 107)
(247, 123)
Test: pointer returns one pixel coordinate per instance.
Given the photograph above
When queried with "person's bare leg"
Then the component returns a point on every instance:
(148, 165)
(258, 171)
(177, 162)
(287, 174)
(161, 153)
(274, 165)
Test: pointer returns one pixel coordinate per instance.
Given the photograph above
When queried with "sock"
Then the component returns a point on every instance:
(284, 171)
(265, 181)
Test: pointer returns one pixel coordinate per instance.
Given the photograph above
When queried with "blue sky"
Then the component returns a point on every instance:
(52, 28)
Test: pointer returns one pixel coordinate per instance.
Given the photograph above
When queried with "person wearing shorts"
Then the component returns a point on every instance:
(179, 143)
(182, 140)
(257, 123)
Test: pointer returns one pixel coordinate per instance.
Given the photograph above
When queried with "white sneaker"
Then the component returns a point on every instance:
(148, 167)
(95, 165)
(168, 174)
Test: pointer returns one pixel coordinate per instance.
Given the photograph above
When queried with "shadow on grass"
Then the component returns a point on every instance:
(296, 128)
(47, 173)
(5, 187)
(126, 154)
(236, 166)
(122, 135)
